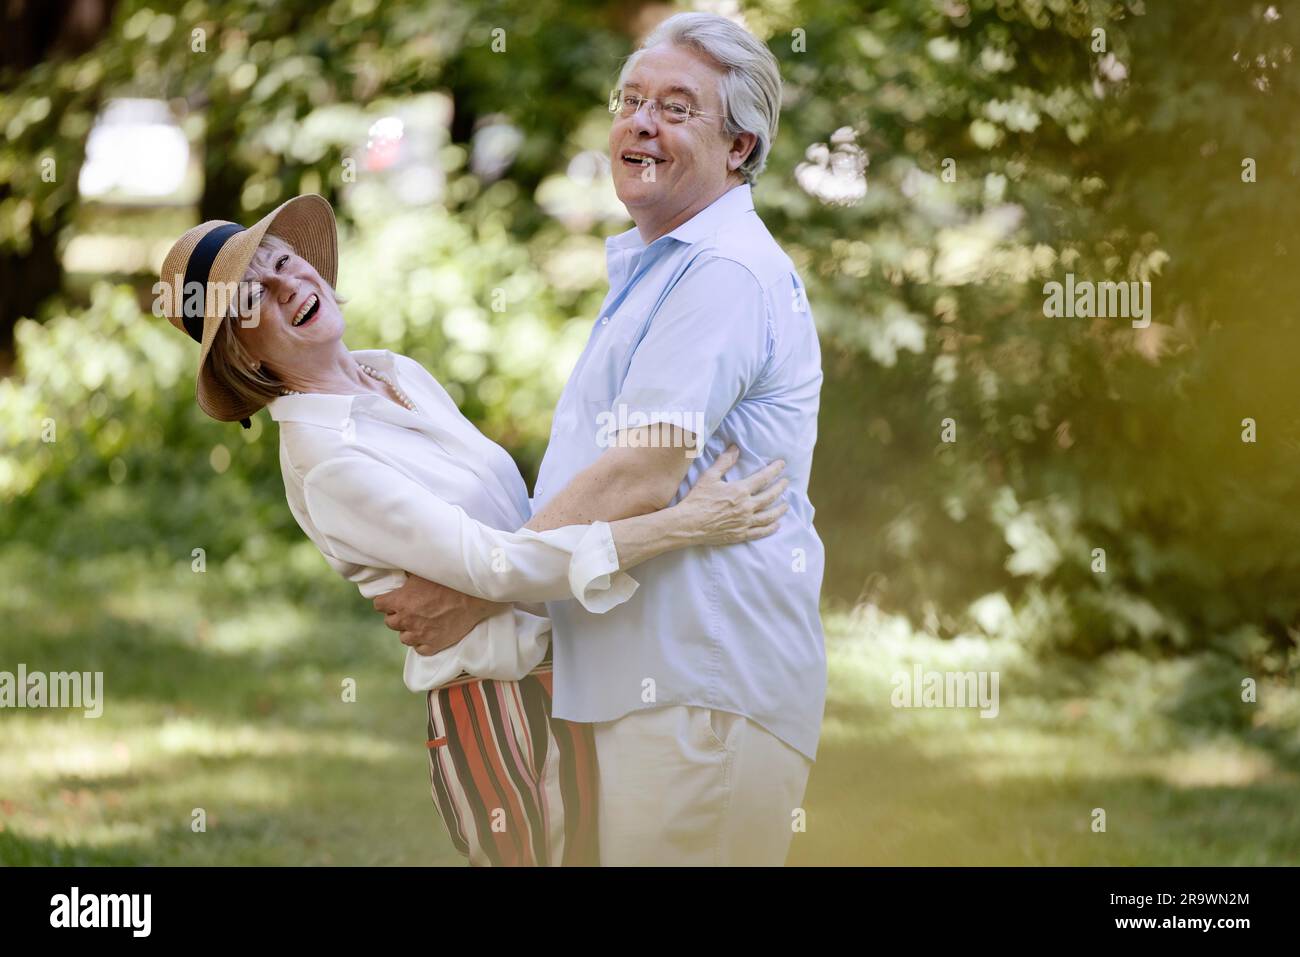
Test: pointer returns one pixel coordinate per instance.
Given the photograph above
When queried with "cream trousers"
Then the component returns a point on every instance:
(685, 785)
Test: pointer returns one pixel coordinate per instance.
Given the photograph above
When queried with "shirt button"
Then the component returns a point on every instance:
(604, 320)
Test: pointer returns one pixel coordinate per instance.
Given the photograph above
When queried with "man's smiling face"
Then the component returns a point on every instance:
(692, 161)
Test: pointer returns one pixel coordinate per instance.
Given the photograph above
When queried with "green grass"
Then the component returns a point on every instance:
(1126, 735)
(216, 697)
(223, 692)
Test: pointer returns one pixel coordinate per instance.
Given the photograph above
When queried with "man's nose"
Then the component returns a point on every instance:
(645, 120)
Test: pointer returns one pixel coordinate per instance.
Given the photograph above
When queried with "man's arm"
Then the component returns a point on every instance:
(433, 616)
(629, 479)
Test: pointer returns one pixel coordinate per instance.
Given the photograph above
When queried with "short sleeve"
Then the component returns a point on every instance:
(707, 344)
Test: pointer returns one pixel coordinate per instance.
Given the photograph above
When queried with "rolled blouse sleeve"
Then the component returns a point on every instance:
(370, 513)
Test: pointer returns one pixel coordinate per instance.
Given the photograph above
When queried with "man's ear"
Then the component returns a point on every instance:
(741, 147)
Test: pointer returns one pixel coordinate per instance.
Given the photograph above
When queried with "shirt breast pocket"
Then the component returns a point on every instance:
(624, 334)
(602, 379)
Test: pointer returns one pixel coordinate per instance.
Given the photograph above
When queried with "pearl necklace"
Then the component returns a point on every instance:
(375, 373)
(401, 396)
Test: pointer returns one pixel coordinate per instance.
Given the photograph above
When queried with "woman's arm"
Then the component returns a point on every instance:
(369, 513)
(372, 514)
(714, 512)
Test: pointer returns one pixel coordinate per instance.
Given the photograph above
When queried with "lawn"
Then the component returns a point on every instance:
(224, 692)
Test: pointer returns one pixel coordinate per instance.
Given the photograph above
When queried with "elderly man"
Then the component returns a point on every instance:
(706, 689)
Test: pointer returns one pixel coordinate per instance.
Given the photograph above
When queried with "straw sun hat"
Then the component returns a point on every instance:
(209, 261)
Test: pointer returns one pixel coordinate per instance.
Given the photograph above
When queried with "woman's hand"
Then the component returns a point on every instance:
(717, 512)
(714, 512)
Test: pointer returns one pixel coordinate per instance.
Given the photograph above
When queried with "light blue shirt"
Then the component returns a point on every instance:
(707, 327)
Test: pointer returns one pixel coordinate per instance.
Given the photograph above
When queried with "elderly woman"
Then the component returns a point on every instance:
(386, 477)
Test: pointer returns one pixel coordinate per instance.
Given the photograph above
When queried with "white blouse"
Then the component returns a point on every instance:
(383, 491)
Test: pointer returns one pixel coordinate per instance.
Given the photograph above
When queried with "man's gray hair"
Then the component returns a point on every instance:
(751, 82)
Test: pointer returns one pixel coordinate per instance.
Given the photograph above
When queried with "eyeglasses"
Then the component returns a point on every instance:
(624, 104)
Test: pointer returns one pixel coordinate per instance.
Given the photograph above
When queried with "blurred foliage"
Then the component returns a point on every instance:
(1005, 149)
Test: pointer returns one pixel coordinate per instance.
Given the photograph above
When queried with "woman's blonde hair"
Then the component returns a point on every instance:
(231, 363)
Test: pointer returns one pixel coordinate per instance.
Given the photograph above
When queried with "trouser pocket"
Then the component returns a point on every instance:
(720, 727)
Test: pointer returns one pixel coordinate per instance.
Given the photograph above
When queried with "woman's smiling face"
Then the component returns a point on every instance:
(287, 309)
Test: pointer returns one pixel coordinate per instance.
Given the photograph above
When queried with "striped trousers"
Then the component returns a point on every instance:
(515, 787)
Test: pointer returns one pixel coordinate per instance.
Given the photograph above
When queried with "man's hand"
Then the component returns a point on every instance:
(430, 617)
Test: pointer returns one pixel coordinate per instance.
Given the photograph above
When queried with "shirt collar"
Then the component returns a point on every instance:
(733, 203)
(327, 409)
